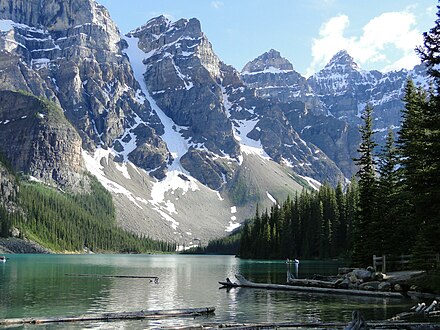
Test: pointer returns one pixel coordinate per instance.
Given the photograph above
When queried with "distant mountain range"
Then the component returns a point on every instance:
(187, 144)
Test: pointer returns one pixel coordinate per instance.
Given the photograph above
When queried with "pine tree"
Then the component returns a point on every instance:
(430, 52)
(393, 229)
(428, 201)
(365, 231)
(340, 230)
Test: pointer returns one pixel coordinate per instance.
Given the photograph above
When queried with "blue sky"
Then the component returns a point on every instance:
(379, 34)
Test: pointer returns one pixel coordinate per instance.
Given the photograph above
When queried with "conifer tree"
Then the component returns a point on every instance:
(392, 230)
(364, 235)
(420, 143)
(340, 236)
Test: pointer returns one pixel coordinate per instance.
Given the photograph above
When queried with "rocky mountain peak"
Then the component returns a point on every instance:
(160, 31)
(342, 59)
(158, 26)
(182, 39)
(270, 60)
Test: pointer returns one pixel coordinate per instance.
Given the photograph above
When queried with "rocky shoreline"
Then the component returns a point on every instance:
(15, 245)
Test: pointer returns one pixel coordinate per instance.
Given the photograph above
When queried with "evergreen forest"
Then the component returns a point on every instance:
(64, 222)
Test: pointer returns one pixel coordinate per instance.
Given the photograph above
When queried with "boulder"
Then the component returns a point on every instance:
(363, 274)
(384, 286)
(370, 286)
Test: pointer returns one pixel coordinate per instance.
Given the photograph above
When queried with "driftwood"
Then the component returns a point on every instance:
(155, 278)
(243, 282)
(326, 325)
(155, 314)
(420, 310)
(313, 283)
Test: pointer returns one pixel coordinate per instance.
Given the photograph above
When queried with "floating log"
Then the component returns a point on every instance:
(313, 283)
(154, 314)
(243, 282)
(155, 278)
(326, 325)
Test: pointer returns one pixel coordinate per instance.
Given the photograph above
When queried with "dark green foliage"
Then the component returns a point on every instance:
(427, 190)
(392, 231)
(64, 222)
(227, 245)
(365, 240)
(430, 51)
(419, 148)
(312, 225)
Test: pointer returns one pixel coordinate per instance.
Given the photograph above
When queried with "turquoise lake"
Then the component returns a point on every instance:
(36, 286)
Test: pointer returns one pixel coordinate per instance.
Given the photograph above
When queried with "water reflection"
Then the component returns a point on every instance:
(37, 286)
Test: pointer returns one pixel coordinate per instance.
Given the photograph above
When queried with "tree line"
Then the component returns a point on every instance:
(313, 224)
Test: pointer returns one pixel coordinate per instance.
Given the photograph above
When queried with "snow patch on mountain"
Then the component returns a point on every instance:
(272, 199)
(312, 182)
(241, 128)
(176, 143)
(93, 165)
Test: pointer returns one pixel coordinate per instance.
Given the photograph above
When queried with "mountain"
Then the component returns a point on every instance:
(274, 78)
(38, 140)
(332, 100)
(164, 146)
(187, 145)
(345, 89)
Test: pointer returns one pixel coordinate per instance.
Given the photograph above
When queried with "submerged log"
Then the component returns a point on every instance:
(243, 282)
(155, 278)
(154, 314)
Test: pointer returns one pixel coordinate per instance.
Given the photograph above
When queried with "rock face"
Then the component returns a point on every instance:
(8, 189)
(38, 140)
(71, 53)
(182, 75)
(333, 100)
(345, 89)
(274, 78)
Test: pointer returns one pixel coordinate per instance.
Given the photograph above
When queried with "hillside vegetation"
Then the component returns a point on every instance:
(65, 222)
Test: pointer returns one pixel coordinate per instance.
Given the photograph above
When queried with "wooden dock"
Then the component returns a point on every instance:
(154, 314)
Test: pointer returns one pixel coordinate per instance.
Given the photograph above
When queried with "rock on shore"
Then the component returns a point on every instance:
(15, 245)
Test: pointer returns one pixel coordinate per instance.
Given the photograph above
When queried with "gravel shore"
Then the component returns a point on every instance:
(15, 245)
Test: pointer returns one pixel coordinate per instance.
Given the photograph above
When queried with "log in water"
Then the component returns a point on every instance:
(154, 314)
(243, 282)
(155, 278)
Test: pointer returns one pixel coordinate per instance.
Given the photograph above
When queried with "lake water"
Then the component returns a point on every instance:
(36, 286)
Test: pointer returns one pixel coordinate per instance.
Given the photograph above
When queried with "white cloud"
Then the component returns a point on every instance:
(392, 32)
(217, 4)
